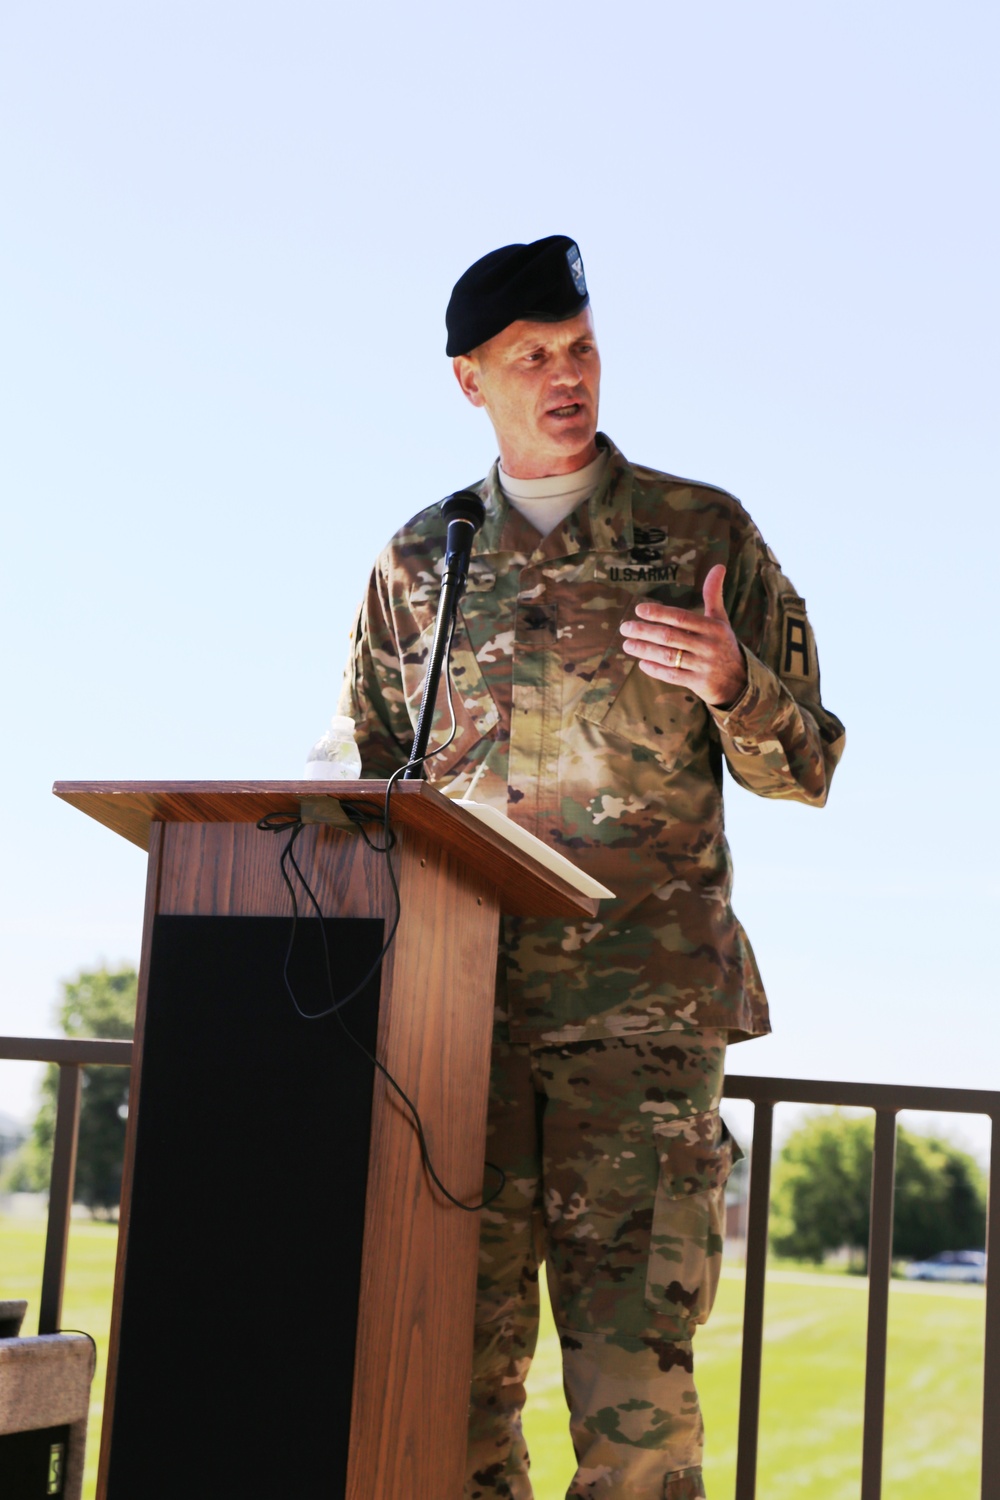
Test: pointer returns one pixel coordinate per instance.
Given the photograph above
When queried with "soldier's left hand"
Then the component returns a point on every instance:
(690, 649)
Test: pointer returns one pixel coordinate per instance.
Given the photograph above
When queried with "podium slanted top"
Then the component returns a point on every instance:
(525, 885)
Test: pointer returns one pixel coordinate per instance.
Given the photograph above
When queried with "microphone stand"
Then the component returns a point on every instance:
(464, 513)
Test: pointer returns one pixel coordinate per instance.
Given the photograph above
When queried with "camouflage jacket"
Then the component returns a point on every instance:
(619, 771)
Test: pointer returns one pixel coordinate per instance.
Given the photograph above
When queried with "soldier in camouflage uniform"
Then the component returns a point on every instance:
(601, 675)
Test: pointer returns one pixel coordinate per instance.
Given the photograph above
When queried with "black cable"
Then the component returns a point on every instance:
(293, 825)
(359, 814)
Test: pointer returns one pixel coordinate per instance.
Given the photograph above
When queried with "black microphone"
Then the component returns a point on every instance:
(464, 513)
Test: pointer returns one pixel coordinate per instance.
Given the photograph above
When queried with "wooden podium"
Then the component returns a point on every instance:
(293, 1297)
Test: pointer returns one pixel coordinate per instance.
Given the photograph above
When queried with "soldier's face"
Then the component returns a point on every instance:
(540, 385)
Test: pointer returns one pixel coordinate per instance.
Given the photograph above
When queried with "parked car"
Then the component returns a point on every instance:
(950, 1265)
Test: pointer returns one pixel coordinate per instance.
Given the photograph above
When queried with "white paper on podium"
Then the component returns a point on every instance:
(529, 844)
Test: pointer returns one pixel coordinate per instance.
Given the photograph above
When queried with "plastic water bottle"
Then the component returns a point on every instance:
(335, 757)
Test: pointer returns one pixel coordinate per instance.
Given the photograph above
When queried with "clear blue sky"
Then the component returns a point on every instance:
(228, 235)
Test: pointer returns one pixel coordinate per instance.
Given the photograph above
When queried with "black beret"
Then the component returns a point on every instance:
(543, 282)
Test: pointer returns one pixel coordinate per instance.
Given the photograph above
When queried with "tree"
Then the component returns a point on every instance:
(940, 1198)
(823, 1184)
(94, 1004)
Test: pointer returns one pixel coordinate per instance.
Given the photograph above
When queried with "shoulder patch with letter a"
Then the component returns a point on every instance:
(795, 645)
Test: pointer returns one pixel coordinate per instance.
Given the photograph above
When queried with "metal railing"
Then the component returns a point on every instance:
(70, 1056)
(764, 1093)
(886, 1100)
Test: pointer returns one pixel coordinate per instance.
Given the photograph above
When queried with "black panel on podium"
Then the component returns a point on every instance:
(281, 1107)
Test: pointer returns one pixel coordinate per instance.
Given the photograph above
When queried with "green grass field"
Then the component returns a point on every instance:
(811, 1389)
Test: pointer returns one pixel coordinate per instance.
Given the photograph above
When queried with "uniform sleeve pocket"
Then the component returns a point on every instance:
(696, 1156)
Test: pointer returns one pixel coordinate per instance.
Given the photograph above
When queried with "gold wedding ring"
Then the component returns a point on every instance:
(679, 657)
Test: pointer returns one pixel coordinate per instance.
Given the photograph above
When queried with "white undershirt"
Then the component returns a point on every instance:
(546, 502)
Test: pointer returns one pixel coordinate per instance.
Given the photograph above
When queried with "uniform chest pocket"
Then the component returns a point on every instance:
(623, 700)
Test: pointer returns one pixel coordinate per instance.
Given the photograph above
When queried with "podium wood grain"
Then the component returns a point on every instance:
(418, 1266)
(525, 887)
(414, 1347)
(153, 869)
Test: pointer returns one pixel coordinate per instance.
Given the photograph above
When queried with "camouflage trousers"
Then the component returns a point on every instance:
(616, 1161)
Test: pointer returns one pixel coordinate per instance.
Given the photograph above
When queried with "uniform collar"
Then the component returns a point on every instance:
(604, 524)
